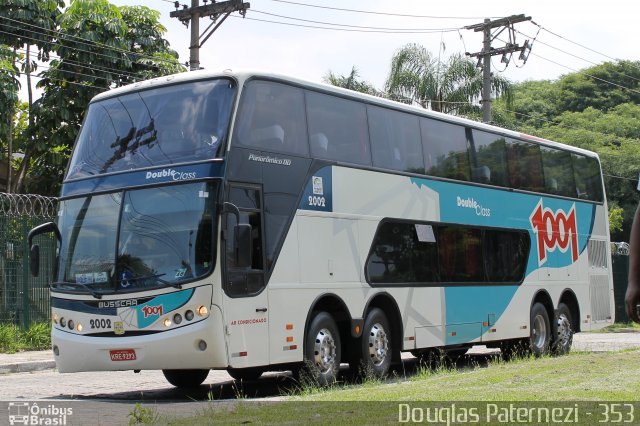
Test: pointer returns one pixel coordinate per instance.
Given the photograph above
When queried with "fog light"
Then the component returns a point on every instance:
(63, 322)
(202, 310)
(189, 315)
(177, 318)
(71, 324)
(55, 318)
(79, 327)
(202, 345)
(167, 322)
(56, 351)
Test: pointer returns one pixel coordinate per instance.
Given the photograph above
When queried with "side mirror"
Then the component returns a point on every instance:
(34, 260)
(34, 249)
(243, 245)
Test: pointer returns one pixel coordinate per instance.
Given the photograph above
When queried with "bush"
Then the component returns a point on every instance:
(36, 337)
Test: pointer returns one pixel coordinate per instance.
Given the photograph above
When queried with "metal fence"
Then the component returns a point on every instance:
(24, 299)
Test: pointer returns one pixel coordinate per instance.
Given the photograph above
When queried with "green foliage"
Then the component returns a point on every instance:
(615, 219)
(36, 338)
(142, 415)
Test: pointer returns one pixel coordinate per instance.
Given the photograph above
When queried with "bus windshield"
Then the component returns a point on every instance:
(156, 127)
(137, 239)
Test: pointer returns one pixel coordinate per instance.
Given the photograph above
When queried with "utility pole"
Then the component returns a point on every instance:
(193, 14)
(484, 56)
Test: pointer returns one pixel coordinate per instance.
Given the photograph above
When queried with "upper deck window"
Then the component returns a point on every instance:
(162, 126)
(271, 118)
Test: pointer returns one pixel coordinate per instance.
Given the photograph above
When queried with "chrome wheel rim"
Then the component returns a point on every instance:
(378, 344)
(539, 332)
(324, 351)
(564, 331)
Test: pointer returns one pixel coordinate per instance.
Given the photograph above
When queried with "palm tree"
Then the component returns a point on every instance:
(351, 82)
(451, 87)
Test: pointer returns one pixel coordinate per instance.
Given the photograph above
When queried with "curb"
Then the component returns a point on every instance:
(26, 367)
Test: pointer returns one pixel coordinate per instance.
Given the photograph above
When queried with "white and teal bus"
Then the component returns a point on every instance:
(249, 221)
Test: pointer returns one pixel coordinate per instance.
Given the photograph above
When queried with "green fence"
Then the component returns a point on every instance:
(24, 299)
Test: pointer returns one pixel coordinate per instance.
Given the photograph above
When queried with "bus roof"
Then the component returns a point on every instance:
(244, 74)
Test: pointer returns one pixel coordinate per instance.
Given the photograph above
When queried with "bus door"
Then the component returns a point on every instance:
(245, 303)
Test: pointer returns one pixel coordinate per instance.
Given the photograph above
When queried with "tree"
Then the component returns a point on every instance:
(99, 46)
(25, 23)
(453, 86)
(351, 82)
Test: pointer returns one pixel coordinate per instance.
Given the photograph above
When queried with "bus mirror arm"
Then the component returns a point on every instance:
(34, 249)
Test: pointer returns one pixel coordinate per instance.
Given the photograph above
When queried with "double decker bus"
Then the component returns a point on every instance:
(250, 221)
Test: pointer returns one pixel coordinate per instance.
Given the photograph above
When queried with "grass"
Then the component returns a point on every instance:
(601, 376)
(621, 327)
(14, 339)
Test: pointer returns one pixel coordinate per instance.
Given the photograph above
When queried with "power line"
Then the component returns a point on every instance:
(346, 29)
(377, 13)
(351, 26)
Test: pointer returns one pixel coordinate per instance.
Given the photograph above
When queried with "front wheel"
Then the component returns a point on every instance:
(185, 378)
(564, 331)
(322, 350)
(540, 335)
(251, 373)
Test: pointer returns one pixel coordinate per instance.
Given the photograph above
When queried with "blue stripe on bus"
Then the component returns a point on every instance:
(143, 177)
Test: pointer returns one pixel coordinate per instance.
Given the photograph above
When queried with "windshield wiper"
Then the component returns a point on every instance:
(70, 284)
(156, 276)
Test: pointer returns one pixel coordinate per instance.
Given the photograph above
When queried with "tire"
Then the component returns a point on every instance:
(564, 331)
(374, 349)
(244, 374)
(185, 378)
(322, 351)
(540, 333)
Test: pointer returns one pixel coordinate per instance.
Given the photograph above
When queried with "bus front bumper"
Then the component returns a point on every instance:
(181, 348)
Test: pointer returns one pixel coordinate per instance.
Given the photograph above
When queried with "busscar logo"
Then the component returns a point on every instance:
(118, 303)
(25, 413)
(555, 230)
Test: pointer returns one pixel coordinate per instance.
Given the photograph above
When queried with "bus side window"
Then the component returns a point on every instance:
(272, 118)
(344, 123)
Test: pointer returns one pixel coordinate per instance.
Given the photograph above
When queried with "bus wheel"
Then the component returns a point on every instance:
(564, 335)
(322, 350)
(375, 351)
(540, 335)
(185, 378)
(251, 373)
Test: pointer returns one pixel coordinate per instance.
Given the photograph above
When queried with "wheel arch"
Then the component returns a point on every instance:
(334, 306)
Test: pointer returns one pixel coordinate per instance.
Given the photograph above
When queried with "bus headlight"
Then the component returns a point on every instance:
(79, 327)
(189, 315)
(177, 318)
(202, 310)
(63, 322)
(167, 322)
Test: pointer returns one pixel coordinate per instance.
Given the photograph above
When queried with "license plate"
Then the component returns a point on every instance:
(123, 355)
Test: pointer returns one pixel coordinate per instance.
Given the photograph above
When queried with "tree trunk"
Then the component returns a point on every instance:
(26, 160)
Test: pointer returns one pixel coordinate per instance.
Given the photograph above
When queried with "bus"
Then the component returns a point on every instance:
(250, 221)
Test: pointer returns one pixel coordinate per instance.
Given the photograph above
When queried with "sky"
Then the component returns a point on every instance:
(569, 35)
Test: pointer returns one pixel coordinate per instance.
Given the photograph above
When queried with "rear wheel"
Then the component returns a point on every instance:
(322, 350)
(251, 373)
(540, 335)
(374, 356)
(564, 331)
(185, 378)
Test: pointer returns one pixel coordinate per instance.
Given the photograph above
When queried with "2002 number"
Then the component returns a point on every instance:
(316, 201)
(100, 323)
